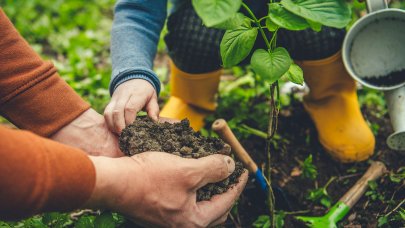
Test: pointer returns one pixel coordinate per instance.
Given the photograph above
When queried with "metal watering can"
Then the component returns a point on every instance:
(374, 55)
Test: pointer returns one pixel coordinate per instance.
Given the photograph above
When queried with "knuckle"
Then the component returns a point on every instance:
(190, 175)
(130, 109)
(220, 164)
(116, 113)
(107, 112)
(191, 179)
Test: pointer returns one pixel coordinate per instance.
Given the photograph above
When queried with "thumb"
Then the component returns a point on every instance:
(214, 168)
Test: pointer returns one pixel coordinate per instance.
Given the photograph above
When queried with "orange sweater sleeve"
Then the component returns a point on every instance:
(32, 95)
(39, 175)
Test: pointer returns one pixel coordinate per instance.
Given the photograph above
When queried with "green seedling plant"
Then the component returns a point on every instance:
(399, 176)
(309, 169)
(321, 195)
(398, 214)
(272, 62)
(397, 211)
(373, 192)
(264, 221)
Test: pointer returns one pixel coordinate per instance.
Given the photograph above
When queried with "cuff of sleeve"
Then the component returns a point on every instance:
(135, 74)
(72, 183)
(44, 175)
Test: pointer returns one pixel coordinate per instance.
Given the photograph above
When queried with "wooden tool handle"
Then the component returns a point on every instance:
(354, 194)
(222, 129)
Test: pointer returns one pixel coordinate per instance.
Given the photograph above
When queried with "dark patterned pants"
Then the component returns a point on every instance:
(194, 48)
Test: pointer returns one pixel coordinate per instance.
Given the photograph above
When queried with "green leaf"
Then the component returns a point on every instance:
(279, 218)
(237, 44)
(309, 169)
(316, 194)
(325, 201)
(295, 74)
(267, 224)
(333, 13)
(270, 25)
(84, 222)
(401, 213)
(232, 23)
(55, 219)
(34, 222)
(399, 176)
(214, 12)
(105, 220)
(271, 65)
(314, 25)
(383, 220)
(372, 184)
(263, 221)
(285, 18)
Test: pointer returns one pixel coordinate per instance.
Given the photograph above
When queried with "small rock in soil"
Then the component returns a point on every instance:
(181, 140)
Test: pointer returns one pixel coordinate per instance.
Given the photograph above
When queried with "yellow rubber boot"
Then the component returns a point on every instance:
(192, 96)
(333, 106)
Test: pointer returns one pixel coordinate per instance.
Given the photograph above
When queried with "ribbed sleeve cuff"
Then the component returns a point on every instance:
(135, 74)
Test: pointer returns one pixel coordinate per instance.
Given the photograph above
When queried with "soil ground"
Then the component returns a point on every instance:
(299, 141)
(178, 139)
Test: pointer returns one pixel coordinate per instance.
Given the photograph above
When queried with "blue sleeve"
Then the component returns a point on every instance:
(134, 38)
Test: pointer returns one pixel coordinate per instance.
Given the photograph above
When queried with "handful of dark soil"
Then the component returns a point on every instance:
(181, 140)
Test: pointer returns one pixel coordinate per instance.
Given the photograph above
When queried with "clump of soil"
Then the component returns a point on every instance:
(394, 78)
(178, 139)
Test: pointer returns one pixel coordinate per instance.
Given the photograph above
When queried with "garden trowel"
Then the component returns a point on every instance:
(225, 133)
(343, 206)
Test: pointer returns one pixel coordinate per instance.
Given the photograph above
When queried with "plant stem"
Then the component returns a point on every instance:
(296, 212)
(254, 131)
(278, 94)
(396, 208)
(258, 25)
(273, 116)
(274, 38)
(329, 182)
(261, 19)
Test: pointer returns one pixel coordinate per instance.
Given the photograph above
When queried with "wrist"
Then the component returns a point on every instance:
(90, 133)
(87, 119)
(130, 74)
(112, 177)
(134, 77)
(98, 199)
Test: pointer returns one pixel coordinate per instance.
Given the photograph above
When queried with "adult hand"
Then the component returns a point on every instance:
(159, 189)
(128, 99)
(90, 133)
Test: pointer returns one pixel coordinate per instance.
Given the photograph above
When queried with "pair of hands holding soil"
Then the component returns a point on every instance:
(151, 188)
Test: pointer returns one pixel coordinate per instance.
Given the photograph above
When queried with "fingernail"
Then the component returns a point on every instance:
(230, 164)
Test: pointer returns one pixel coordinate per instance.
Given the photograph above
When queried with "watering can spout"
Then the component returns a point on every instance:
(396, 107)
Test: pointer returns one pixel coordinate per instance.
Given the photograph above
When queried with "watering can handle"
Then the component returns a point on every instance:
(225, 133)
(375, 5)
(354, 194)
